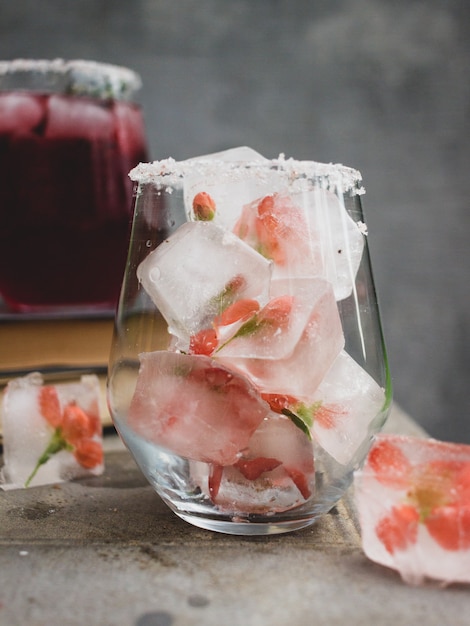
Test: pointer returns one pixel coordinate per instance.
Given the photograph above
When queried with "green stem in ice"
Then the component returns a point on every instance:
(56, 444)
(301, 421)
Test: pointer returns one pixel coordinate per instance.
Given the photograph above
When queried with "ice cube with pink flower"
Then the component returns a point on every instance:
(305, 234)
(413, 500)
(274, 473)
(345, 404)
(277, 228)
(228, 191)
(304, 361)
(197, 272)
(194, 407)
(51, 433)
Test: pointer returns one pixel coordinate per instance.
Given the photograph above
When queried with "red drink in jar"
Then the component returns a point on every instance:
(65, 196)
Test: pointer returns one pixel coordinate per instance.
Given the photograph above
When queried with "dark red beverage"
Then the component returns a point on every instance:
(65, 198)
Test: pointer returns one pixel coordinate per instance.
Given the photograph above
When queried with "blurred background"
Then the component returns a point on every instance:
(379, 85)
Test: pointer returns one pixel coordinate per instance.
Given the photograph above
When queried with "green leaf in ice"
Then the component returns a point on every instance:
(301, 421)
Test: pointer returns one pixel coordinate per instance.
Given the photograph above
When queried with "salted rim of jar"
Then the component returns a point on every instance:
(70, 77)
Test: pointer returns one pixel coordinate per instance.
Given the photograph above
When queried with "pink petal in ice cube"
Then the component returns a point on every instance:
(277, 229)
(274, 473)
(194, 407)
(413, 498)
(63, 419)
(299, 369)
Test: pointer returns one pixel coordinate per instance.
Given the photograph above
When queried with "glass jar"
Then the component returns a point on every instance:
(70, 131)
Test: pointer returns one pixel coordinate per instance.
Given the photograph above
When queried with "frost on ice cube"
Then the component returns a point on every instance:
(308, 360)
(274, 473)
(413, 499)
(196, 273)
(277, 228)
(51, 433)
(230, 188)
(194, 407)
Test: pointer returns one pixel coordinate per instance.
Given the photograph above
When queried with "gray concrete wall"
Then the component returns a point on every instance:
(380, 85)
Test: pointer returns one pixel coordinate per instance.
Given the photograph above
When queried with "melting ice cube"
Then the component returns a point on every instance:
(194, 407)
(198, 271)
(306, 360)
(413, 498)
(63, 420)
(274, 473)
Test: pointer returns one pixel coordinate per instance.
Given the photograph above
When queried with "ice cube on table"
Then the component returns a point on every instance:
(307, 362)
(230, 188)
(77, 117)
(20, 113)
(197, 272)
(413, 500)
(52, 430)
(194, 407)
(337, 239)
(343, 407)
(274, 473)
(277, 227)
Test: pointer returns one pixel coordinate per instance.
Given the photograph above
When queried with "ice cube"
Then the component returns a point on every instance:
(307, 360)
(51, 433)
(198, 271)
(20, 112)
(277, 228)
(344, 405)
(413, 499)
(337, 239)
(230, 188)
(194, 407)
(272, 332)
(75, 117)
(274, 473)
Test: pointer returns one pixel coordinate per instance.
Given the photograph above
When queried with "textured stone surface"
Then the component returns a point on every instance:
(107, 551)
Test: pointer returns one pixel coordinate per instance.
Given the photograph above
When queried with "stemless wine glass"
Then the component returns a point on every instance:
(248, 370)
(70, 131)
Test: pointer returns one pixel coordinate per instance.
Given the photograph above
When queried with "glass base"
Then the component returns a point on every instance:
(246, 528)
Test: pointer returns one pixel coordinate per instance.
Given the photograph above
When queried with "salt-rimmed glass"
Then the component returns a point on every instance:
(70, 131)
(248, 370)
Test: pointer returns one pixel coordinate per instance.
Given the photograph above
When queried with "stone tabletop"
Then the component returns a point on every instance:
(107, 552)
